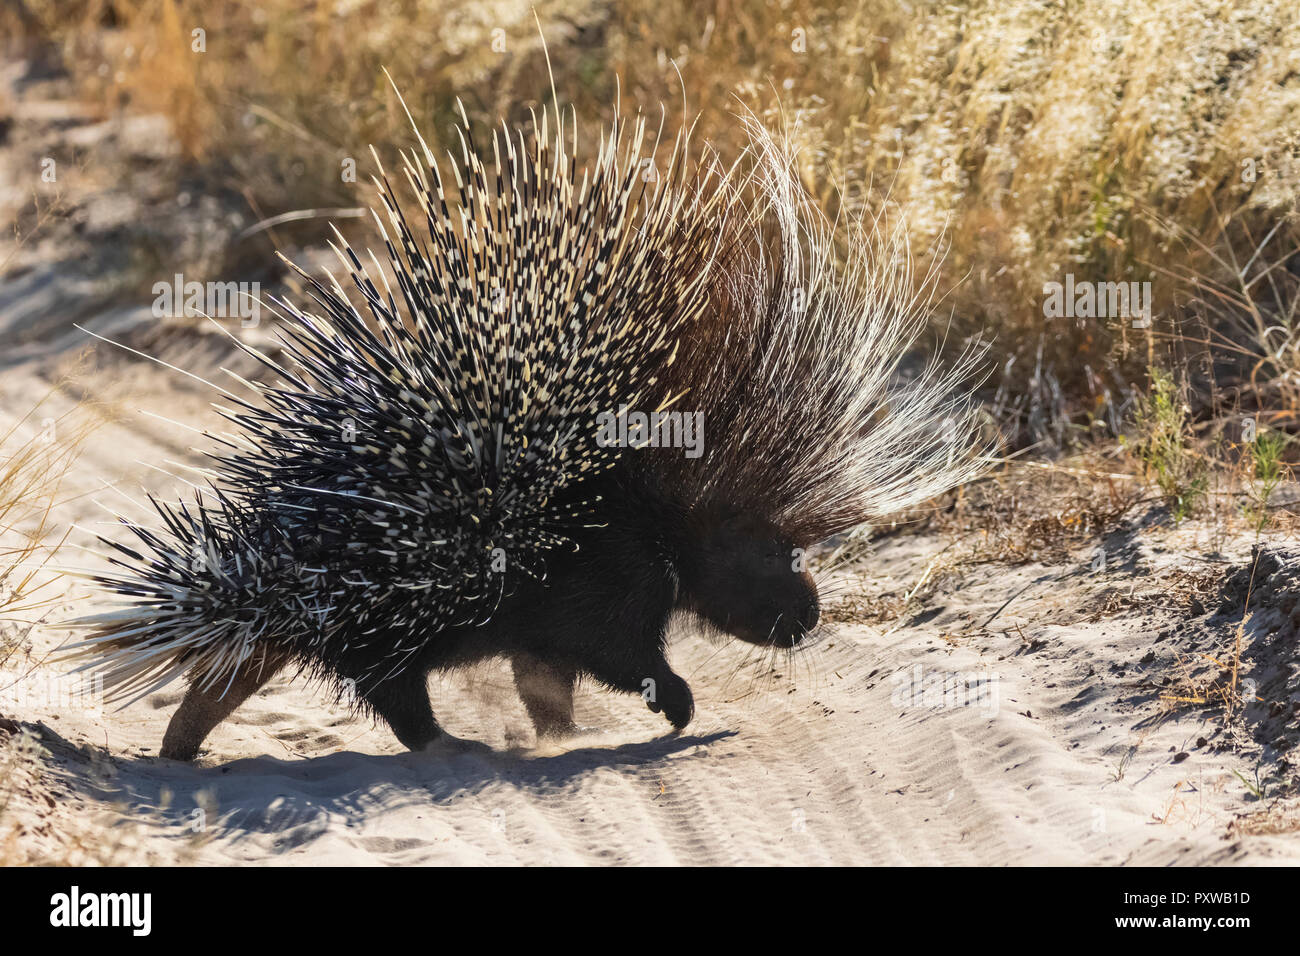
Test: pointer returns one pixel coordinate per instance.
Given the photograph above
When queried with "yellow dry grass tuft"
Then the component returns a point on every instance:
(1025, 141)
(31, 474)
(35, 454)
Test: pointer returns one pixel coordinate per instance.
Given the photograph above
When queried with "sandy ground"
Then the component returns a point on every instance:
(967, 732)
(1008, 715)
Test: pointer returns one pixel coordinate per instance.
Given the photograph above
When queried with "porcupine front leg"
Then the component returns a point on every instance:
(402, 701)
(671, 696)
(649, 676)
(202, 709)
(547, 693)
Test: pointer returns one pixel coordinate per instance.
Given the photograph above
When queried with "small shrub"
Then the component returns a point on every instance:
(1266, 473)
(1163, 446)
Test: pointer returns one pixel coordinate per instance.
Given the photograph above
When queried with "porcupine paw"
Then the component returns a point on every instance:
(185, 751)
(556, 730)
(673, 698)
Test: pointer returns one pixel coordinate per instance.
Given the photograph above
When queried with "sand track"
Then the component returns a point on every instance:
(822, 759)
(826, 759)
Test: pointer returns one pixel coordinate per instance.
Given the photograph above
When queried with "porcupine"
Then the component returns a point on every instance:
(429, 493)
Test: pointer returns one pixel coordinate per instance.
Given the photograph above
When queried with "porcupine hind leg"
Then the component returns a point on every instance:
(202, 709)
(547, 693)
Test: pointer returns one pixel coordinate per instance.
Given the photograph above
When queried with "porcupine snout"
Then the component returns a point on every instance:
(748, 580)
(810, 613)
(795, 617)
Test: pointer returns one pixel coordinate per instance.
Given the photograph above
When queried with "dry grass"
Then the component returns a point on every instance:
(32, 470)
(1204, 681)
(854, 607)
(1059, 138)
(1151, 142)
(1024, 511)
(31, 474)
(1280, 817)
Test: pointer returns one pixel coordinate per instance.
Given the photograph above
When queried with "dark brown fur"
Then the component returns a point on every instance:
(602, 612)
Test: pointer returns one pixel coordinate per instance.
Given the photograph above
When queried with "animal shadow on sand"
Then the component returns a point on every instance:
(300, 799)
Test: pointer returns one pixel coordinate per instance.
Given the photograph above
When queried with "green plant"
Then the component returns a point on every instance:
(1258, 787)
(1266, 473)
(1121, 768)
(1163, 446)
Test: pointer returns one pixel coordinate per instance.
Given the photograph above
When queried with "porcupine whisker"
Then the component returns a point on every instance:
(809, 654)
(761, 675)
(732, 673)
(743, 665)
(772, 629)
(749, 669)
(718, 648)
(792, 660)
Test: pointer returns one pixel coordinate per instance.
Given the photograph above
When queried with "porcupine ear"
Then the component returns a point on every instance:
(821, 411)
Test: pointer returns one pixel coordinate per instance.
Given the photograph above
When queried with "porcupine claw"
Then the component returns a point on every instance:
(674, 700)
